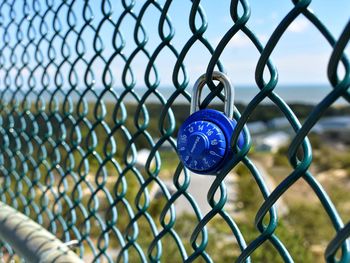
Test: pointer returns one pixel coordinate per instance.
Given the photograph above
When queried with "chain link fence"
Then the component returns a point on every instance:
(88, 146)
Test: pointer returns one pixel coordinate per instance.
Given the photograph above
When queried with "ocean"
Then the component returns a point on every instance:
(303, 94)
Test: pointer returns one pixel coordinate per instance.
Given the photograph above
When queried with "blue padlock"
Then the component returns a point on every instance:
(203, 141)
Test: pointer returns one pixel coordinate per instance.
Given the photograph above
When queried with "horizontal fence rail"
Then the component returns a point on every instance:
(88, 132)
(30, 240)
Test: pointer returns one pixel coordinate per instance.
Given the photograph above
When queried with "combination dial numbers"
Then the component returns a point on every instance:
(201, 145)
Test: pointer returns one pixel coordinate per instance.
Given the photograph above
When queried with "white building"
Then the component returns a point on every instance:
(256, 127)
(272, 142)
(333, 124)
(334, 128)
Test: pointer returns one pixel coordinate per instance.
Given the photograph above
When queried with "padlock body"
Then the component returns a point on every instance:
(203, 142)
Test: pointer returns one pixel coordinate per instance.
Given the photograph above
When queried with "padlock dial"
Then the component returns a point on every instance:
(201, 145)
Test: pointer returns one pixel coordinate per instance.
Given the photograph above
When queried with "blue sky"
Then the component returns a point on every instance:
(301, 55)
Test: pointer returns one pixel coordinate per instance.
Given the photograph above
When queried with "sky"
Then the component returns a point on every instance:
(301, 56)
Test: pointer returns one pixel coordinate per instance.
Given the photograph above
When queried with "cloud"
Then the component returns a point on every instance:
(302, 68)
(299, 25)
(240, 40)
(263, 38)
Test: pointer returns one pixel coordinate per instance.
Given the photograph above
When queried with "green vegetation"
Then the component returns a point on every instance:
(308, 219)
(328, 158)
(64, 162)
(250, 197)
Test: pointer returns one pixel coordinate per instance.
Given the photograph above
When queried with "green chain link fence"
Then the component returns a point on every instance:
(69, 148)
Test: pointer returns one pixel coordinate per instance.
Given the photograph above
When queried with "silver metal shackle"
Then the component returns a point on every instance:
(228, 89)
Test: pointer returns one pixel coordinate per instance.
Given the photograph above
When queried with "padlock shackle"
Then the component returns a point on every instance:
(228, 89)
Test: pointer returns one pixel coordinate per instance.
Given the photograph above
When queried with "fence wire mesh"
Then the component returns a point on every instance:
(75, 116)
